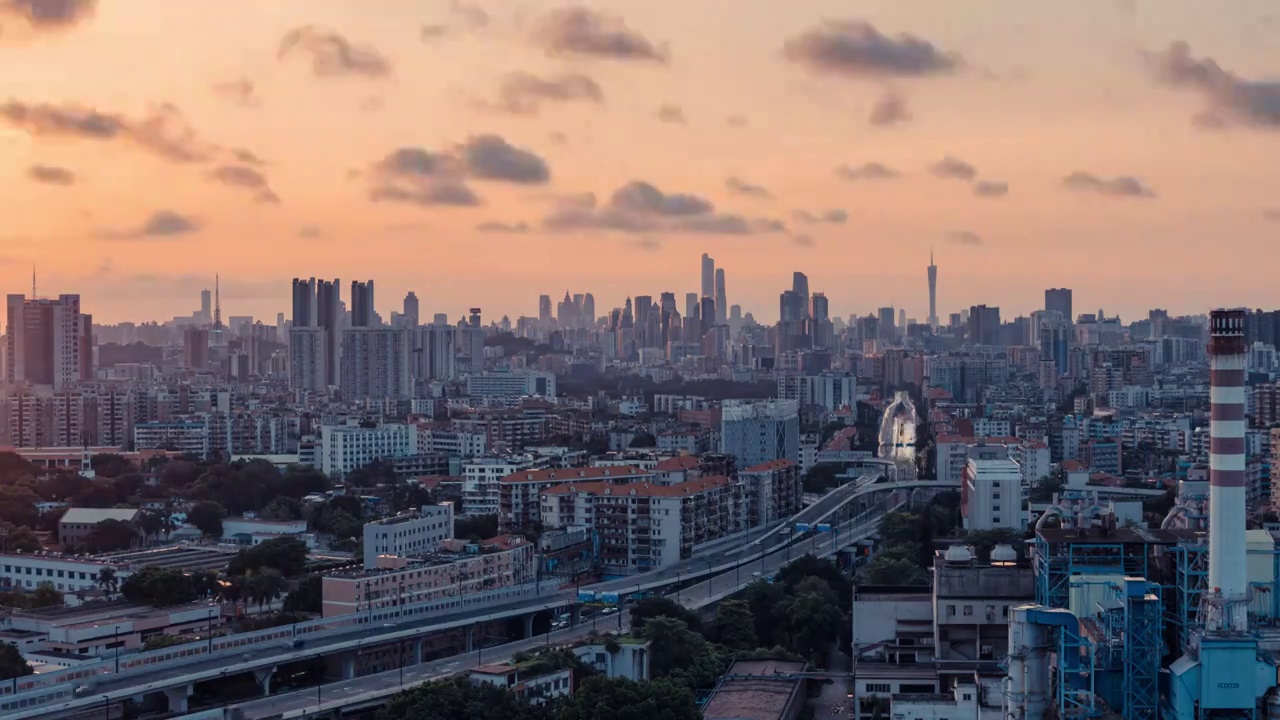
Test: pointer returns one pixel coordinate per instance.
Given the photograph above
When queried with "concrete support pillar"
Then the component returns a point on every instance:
(471, 640)
(528, 627)
(263, 676)
(177, 698)
(415, 651)
(349, 666)
(575, 615)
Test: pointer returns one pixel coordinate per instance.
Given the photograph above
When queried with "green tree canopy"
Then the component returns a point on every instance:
(207, 516)
(286, 555)
(12, 664)
(306, 597)
(601, 698)
(684, 656)
(159, 586)
(733, 625)
(652, 607)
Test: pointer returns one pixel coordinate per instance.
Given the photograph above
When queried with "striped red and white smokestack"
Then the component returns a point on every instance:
(1227, 579)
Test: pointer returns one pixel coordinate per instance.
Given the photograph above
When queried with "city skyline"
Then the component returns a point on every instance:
(471, 132)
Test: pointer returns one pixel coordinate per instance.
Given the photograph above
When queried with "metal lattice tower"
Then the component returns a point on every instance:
(217, 302)
(1142, 650)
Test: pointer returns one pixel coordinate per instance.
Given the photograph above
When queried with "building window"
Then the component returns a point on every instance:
(968, 610)
(878, 688)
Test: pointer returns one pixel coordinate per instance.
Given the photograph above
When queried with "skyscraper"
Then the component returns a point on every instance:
(933, 293)
(544, 308)
(691, 305)
(206, 306)
(1059, 300)
(48, 343)
(722, 303)
(362, 304)
(315, 342)
(708, 276)
(411, 310)
(984, 325)
(588, 310)
(800, 286)
(708, 313)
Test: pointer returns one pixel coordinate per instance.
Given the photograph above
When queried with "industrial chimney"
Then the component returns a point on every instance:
(1227, 598)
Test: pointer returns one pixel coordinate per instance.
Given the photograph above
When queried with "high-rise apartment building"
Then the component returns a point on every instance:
(1059, 300)
(315, 341)
(708, 276)
(588, 310)
(434, 352)
(722, 302)
(195, 348)
(544, 309)
(984, 325)
(376, 364)
(48, 342)
(206, 306)
(410, 313)
(933, 293)
(362, 311)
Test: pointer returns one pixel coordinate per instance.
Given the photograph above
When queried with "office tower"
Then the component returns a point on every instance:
(304, 302)
(708, 276)
(757, 432)
(195, 348)
(376, 363)
(691, 305)
(410, 310)
(643, 306)
(885, 319)
(564, 311)
(588, 310)
(1059, 300)
(628, 317)
(362, 304)
(544, 308)
(800, 286)
(902, 321)
(707, 313)
(933, 293)
(823, 331)
(722, 302)
(206, 306)
(666, 306)
(47, 343)
(984, 325)
(818, 308)
(1055, 341)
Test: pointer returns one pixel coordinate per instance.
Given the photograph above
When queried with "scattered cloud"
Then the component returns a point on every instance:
(670, 113)
(1122, 186)
(867, 171)
(20, 18)
(954, 168)
(164, 132)
(422, 177)
(332, 55)
(640, 207)
(741, 187)
(247, 157)
(243, 176)
(966, 237)
(736, 121)
(501, 228)
(310, 232)
(991, 188)
(890, 109)
(582, 32)
(1272, 215)
(463, 17)
(242, 92)
(1230, 99)
(833, 217)
(51, 175)
(523, 93)
(162, 224)
(856, 49)
(803, 240)
(489, 157)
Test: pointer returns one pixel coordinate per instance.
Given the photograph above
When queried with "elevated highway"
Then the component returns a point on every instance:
(174, 671)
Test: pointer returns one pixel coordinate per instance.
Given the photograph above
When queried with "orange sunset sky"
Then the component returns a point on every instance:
(482, 153)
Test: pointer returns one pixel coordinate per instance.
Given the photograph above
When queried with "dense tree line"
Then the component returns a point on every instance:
(595, 698)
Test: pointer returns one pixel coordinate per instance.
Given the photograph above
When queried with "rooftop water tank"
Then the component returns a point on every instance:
(1004, 553)
(958, 555)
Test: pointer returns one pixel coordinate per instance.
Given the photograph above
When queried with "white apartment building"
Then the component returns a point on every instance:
(759, 431)
(343, 448)
(511, 384)
(953, 452)
(991, 495)
(408, 534)
(309, 358)
(520, 494)
(452, 442)
(985, 427)
(643, 526)
(183, 436)
(829, 390)
(481, 493)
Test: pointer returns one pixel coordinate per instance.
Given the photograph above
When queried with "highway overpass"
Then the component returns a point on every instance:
(174, 671)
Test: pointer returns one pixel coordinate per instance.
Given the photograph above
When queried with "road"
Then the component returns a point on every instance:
(694, 597)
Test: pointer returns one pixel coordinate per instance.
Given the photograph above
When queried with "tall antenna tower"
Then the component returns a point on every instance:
(217, 302)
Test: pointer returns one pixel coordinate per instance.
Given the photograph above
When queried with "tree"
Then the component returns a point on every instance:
(46, 595)
(159, 586)
(306, 597)
(601, 698)
(652, 607)
(266, 586)
(898, 528)
(410, 496)
(111, 465)
(1045, 488)
(893, 571)
(106, 580)
(372, 475)
(809, 568)
(684, 656)
(18, 538)
(286, 555)
(644, 440)
(479, 527)
(179, 474)
(808, 621)
(457, 698)
(281, 508)
(733, 625)
(164, 640)
(110, 536)
(984, 541)
(151, 523)
(12, 664)
(341, 524)
(207, 516)
(762, 597)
